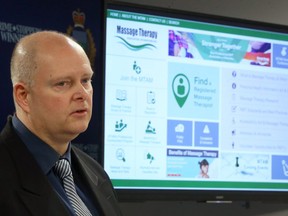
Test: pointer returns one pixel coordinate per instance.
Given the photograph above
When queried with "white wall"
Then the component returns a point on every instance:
(271, 11)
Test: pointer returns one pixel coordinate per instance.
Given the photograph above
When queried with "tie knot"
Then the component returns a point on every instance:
(62, 168)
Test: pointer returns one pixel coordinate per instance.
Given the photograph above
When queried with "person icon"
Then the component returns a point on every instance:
(116, 125)
(121, 124)
(181, 87)
(134, 65)
(150, 129)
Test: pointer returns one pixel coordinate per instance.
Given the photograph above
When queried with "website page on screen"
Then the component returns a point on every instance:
(194, 105)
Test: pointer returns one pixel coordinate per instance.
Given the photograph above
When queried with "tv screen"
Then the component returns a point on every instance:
(196, 106)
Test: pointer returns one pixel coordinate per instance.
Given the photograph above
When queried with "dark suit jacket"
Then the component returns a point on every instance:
(25, 190)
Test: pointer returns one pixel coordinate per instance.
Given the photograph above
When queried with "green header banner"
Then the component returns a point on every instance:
(153, 19)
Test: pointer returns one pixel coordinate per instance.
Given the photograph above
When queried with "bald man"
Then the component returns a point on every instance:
(52, 92)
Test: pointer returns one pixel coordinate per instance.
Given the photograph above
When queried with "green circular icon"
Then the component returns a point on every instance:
(181, 88)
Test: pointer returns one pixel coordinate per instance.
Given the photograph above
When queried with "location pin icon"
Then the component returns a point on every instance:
(181, 88)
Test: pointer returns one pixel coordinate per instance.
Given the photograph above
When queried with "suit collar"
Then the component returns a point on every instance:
(43, 153)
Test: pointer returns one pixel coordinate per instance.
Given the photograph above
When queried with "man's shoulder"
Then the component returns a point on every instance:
(88, 164)
(7, 132)
(83, 157)
(6, 137)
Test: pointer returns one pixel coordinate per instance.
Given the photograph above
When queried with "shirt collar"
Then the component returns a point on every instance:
(45, 155)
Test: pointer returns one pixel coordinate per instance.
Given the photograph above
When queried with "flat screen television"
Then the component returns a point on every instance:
(195, 106)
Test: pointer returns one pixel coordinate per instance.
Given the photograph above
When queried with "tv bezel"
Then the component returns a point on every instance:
(145, 194)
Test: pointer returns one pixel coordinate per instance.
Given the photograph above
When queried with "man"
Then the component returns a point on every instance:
(52, 91)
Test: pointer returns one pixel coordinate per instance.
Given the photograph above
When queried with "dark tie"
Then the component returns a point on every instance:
(63, 170)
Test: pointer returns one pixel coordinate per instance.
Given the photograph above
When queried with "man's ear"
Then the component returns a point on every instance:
(21, 93)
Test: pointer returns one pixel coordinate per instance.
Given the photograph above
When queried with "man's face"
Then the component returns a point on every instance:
(60, 99)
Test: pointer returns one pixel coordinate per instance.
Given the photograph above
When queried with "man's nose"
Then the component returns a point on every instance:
(81, 92)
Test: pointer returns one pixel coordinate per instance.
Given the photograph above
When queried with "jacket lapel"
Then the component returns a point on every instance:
(35, 190)
(100, 187)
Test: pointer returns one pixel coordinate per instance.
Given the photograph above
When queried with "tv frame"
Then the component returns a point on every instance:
(146, 194)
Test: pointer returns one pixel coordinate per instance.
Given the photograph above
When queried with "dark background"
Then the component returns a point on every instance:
(19, 18)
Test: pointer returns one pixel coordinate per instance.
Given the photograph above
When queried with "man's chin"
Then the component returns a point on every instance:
(78, 130)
